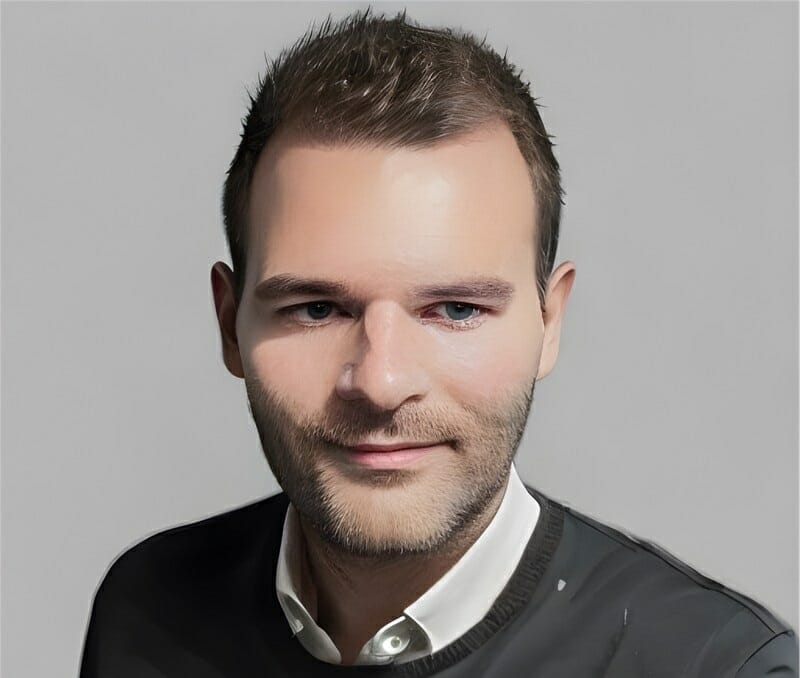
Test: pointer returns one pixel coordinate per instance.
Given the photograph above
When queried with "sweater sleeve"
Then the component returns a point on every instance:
(777, 658)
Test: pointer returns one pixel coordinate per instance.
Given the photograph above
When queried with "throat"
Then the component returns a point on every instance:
(352, 597)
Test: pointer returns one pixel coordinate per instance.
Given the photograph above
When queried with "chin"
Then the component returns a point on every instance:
(395, 512)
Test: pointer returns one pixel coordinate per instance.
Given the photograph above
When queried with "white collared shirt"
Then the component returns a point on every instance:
(440, 615)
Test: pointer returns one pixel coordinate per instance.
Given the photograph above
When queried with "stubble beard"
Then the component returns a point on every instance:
(386, 514)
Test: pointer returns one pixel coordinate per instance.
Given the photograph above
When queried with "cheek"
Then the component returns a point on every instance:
(300, 373)
(501, 356)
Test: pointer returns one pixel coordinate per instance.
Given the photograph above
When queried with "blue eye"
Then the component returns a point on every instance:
(460, 308)
(316, 309)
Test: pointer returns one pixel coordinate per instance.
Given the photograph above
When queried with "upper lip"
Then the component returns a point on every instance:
(389, 448)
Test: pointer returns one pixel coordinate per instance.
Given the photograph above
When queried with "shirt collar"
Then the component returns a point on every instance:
(443, 611)
(440, 615)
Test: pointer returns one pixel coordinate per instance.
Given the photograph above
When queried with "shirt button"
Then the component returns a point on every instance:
(392, 643)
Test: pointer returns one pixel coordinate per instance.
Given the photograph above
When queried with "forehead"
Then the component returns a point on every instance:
(464, 202)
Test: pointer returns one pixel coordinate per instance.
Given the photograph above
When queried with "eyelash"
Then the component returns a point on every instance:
(469, 323)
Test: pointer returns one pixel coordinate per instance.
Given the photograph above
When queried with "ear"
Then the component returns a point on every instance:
(225, 303)
(558, 289)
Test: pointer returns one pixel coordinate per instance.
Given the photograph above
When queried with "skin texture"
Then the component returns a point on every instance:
(380, 365)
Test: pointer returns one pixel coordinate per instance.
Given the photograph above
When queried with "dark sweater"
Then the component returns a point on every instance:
(199, 601)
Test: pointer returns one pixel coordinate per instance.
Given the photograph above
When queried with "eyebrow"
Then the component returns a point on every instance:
(480, 287)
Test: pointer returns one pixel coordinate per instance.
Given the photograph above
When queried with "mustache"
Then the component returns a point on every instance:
(400, 426)
(346, 424)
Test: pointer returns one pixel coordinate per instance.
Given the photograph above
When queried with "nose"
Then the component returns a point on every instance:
(389, 367)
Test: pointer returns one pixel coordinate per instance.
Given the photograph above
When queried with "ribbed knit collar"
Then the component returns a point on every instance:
(519, 591)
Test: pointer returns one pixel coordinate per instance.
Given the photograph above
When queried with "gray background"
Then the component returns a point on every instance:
(672, 411)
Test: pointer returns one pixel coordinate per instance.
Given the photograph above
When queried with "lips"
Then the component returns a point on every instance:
(391, 456)
(392, 447)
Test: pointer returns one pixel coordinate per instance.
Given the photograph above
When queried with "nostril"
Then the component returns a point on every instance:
(384, 376)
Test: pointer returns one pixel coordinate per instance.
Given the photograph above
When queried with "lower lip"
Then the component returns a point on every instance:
(392, 459)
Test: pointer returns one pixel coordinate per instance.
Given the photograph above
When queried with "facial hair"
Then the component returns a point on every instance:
(388, 513)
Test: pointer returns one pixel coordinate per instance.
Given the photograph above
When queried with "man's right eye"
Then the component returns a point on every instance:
(316, 310)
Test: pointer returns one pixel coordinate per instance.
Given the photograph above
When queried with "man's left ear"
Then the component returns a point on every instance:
(558, 288)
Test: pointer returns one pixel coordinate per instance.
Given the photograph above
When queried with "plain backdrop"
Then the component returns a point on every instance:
(672, 412)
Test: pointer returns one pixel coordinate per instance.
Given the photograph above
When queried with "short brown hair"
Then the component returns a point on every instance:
(369, 79)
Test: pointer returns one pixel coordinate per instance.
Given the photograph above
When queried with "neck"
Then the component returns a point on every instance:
(351, 597)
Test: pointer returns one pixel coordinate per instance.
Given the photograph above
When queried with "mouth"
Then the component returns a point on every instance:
(391, 456)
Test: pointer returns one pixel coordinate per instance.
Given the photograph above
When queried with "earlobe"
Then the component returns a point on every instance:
(225, 305)
(558, 289)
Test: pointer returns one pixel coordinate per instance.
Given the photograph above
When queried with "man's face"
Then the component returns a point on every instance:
(384, 362)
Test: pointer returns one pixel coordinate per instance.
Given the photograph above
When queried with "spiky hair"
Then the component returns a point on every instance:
(389, 81)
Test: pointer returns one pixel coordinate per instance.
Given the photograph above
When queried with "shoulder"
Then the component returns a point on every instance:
(661, 602)
(200, 549)
(656, 574)
(172, 589)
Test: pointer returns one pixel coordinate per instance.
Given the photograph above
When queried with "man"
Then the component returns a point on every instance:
(393, 214)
